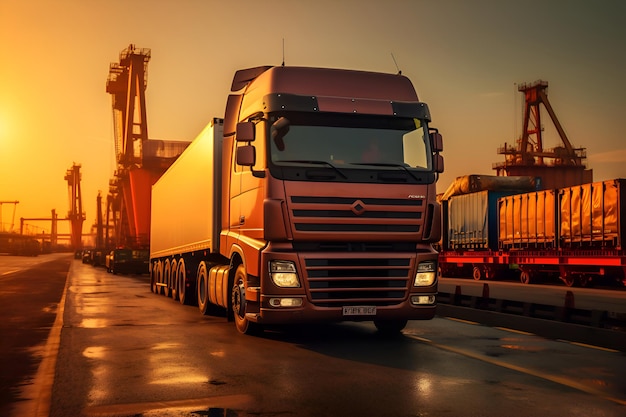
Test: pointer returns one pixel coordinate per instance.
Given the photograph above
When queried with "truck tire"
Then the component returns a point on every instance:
(174, 279)
(181, 277)
(154, 277)
(203, 289)
(238, 301)
(167, 278)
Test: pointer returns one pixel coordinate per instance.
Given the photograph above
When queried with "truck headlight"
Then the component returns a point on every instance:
(426, 274)
(283, 274)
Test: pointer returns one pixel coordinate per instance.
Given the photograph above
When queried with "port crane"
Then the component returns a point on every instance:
(140, 160)
(76, 215)
(561, 166)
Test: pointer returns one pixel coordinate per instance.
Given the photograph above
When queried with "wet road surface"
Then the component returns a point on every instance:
(127, 352)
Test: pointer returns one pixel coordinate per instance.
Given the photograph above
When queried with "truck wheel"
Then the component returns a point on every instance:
(238, 300)
(203, 289)
(390, 327)
(525, 277)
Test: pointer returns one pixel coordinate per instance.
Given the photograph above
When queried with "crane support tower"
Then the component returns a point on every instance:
(76, 216)
(140, 161)
(562, 166)
(15, 203)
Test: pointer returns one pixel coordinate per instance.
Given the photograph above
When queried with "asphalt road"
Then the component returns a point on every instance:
(123, 351)
(30, 291)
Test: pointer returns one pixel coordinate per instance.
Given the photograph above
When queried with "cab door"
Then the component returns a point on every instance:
(247, 189)
(252, 189)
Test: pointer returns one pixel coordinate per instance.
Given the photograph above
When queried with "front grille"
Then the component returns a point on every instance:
(356, 215)
(375, 281)
(384, 246)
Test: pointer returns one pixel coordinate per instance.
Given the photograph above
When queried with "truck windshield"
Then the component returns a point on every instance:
(352, 141)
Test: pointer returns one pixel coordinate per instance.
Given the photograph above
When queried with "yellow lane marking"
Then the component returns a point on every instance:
(589, 346)
(461, 320)
(532, 372)
(506, 329)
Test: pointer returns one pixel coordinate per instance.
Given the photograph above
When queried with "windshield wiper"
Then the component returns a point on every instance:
(306, 161)
(383, 164)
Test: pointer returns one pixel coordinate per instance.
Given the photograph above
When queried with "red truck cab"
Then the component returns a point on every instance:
(330, 177)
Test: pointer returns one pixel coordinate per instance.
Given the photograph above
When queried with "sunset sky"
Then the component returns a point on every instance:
(465, 58)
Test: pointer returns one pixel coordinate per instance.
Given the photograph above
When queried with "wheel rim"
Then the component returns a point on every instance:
(525, 277)
(477, 274)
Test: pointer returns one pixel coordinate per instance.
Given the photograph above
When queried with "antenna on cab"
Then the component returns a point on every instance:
(396, 63)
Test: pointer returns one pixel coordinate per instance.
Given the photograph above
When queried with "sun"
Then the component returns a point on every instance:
(7, 129)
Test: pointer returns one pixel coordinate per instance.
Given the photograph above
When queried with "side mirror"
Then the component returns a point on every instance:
(436, 141)
(246, 155)
(279, 129)
(245, 132)
(438, 163)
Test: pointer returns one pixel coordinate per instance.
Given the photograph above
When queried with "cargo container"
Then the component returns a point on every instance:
(528, 220)
(591, 214)
(313, 200)
(473, 221)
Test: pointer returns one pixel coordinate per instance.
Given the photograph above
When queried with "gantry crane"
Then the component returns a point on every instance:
(75, 215)
(140, 161)
(562, 166)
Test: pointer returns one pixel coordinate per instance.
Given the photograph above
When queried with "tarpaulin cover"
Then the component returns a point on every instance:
(590, 214)
(528, 220)
(474, 183)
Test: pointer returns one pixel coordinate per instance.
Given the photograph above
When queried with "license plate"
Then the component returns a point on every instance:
(359, 311)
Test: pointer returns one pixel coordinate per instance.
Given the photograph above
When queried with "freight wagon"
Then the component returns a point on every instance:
(574, 234)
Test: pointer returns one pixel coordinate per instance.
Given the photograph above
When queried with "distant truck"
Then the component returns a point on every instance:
(128, 261)
(313, 200)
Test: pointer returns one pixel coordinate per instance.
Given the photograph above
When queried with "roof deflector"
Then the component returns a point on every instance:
(243, 77)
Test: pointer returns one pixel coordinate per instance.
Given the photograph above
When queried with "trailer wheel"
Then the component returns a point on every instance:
(568, 279)
(238, 300)
(181, 278)
(174, 279)
(153, 287)
(167, 278)
(477, 273)
(586, 280)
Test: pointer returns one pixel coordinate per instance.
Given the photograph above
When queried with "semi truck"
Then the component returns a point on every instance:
(312, 200)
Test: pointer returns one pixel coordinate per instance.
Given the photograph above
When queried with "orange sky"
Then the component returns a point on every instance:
(464, 58)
